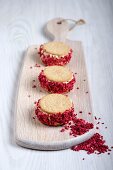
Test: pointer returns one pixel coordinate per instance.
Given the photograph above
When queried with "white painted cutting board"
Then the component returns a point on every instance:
(31, 133)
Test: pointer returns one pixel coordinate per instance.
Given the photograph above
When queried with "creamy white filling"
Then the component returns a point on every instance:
(69, 80)
(52, 55)
(63, 81)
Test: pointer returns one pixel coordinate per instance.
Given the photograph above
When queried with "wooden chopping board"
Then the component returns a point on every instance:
(31, 133)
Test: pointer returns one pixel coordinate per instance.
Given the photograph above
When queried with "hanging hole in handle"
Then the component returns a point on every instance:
(59, 22)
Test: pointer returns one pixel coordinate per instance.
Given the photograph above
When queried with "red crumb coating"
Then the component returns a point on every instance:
(54, 119)
(55, 87)
(52, 60)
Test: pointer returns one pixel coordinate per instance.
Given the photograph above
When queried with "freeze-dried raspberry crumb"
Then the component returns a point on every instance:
(78, 126)
(37, 65)
(95, 143)
(89, 113)
(98, 123)
(62, 130)
(95, 118)
(34, 86)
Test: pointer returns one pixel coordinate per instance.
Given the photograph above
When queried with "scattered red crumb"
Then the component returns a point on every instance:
(62, 130)
(98, 123)
(108, 153)
(34, 80)
(89, 113)
(77, 87)
(95, 143)
(80, 111)
(34, 86)
(33, 117)
(78, 126)
(37, 65)
(35, 102)
(95, 118)
(31, 67)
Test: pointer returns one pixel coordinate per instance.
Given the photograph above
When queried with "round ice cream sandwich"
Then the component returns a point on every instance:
(54, 109)
(55, 53)
(56, 79)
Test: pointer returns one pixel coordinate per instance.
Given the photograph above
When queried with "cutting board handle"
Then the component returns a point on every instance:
(58, 28)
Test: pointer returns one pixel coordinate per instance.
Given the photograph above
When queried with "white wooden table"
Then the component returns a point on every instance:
(21, 25)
